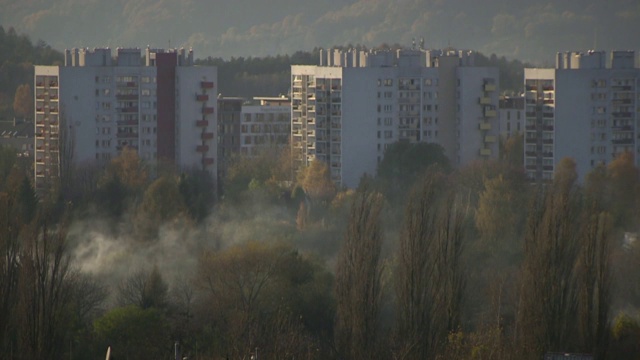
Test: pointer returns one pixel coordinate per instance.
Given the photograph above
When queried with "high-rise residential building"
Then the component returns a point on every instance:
(511, 114)
(92, 107)
(350, 108)
(585, 108)
(266, 125)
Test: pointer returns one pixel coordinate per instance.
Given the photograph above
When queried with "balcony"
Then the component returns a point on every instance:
(489, 87)
(485, 101)
(207, 136)
(489, 139)
(484, 126)
(127, 97)
(485, 152)
(127, 135)
(206, 84)
(207, 110)
(622, 141)
(127, 123)
(207, 161)
(202, 148)
(622, 114)
(202, 97)
(132, 109)
(202, 123)
(490, 113)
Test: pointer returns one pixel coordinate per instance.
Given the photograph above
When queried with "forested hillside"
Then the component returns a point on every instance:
(17, 57)
(532, 31)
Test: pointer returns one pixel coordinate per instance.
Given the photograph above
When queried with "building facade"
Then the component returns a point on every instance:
(347, 111)
(511, 114)
(94, 106)
(585, 108)
(266, 126)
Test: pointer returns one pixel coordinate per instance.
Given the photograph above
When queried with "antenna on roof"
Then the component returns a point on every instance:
(413, 43)
(421, 43)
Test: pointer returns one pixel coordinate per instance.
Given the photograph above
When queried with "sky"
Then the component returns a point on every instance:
(531, 30)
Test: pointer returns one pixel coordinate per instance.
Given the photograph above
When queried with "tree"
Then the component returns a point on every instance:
(405, 162)
(45, 291)
(23, 101)
(499, 216)
(566, 272)
(134, 333)
(512, 150)
(594, 282)
(162, 203)
(198, 192)
(129, 168)
(257, 294)
(430, 279)
(145, 289)
(358, 279)
(316, 182)
(624, 189)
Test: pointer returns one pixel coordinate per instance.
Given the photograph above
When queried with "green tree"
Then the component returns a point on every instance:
(134, 333)
(405, 162)
(198, 192)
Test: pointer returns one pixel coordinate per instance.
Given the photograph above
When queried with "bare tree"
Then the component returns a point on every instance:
(358, 279)
(146, 289)
(9, 271)
(45, 290)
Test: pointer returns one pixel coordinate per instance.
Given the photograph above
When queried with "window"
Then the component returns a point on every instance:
(388, 134)
(388, 121)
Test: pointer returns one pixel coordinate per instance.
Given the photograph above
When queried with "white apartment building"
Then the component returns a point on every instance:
(586, 108)
(95, 105)
(266, 125)
(350, 108)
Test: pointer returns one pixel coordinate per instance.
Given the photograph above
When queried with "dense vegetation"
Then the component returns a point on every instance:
(458, 264)
(17, 57)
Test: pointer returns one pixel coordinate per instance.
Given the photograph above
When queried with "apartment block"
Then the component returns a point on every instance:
(349, 109)
(585, 108)
(266, 125)
(95, 105)
(229, 114)
(511, 114)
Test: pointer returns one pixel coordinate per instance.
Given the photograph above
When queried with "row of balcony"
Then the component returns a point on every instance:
(50, 83)
(46, 96)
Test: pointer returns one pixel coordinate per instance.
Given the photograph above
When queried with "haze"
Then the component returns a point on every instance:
(531, 31)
